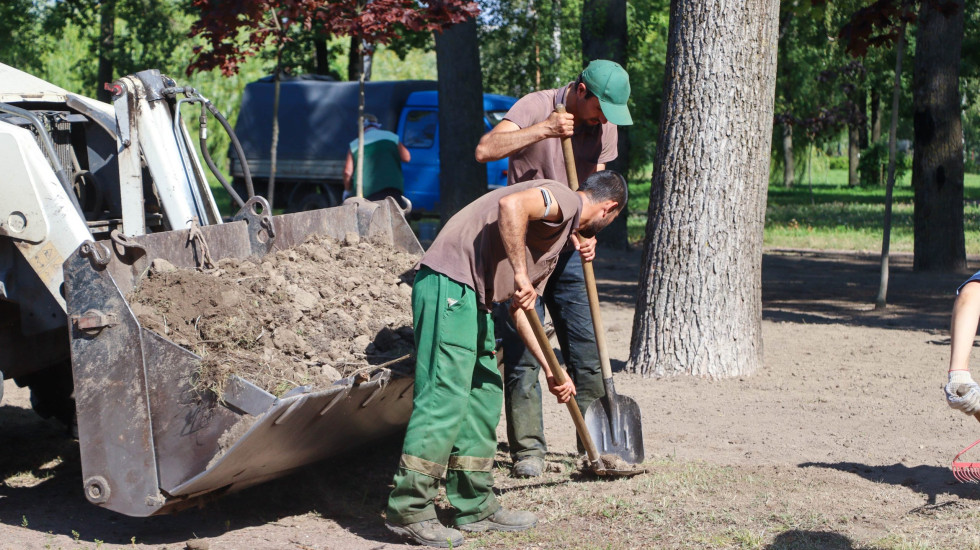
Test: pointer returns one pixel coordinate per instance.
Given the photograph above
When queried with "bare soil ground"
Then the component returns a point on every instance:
(842, 440)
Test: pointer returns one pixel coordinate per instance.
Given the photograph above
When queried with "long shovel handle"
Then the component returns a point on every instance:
(589, 272)
(559, 374)
(566, 150)
(590, 287)
(600, 334)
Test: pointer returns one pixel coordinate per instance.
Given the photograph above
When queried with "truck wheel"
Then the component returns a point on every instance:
(52, 393)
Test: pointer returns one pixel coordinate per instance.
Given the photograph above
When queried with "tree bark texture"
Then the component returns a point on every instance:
(937, 163)
(603, 31)
(462, 179)
(107, 41)
(789, 163)
(699, 306)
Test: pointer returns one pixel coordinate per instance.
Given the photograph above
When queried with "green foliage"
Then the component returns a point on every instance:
(837, 163)
(873, 165)
(518, 50)
(648, 22)
(20, 23)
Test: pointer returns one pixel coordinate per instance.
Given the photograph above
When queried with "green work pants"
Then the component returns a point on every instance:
(456, 406)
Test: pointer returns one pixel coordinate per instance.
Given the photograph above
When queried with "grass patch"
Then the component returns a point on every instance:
(829, 215)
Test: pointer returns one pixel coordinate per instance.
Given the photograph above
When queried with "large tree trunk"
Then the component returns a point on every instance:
(603, 33)
(461, 179)
(937, 164)
(699, 308)
(853, 153)
(789, 164)
(107, 33)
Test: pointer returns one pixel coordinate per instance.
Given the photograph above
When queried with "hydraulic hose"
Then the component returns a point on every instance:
(193, 94)
(210, 162)
(239, 152)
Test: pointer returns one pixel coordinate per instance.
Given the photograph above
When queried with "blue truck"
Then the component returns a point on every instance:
(317, 121)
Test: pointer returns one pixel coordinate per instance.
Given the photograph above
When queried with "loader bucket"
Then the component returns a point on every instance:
(149, 443)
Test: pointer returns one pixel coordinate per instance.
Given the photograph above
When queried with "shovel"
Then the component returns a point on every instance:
(613, 420)
(598, 464)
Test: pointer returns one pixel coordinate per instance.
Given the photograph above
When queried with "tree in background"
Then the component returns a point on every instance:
(699, 306)
(648, 22)
(604, 36)
(518, 50)
(937, 163)
(461, 178)
(801, 90)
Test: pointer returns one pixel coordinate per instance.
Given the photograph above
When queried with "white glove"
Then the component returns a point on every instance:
(962, 393)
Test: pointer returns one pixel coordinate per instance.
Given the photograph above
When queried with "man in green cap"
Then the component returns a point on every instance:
(596, 103)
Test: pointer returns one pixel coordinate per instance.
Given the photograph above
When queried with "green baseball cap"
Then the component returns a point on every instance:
(610, 83)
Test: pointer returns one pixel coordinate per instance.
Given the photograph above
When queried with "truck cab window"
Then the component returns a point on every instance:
(495, 117)
(420, 129)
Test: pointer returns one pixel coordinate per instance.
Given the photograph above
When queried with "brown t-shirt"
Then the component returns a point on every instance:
(469, 249)
(592, 145)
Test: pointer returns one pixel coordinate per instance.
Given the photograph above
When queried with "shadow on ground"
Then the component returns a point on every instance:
(929, 481)
(797, 538)
(820, 288)
(825, 288)
(351, 490)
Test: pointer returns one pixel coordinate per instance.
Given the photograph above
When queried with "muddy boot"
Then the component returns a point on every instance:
(530, 466)
(502, 520)
(428, 532)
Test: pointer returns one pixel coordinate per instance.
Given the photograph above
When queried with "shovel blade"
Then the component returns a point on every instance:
(621, 436)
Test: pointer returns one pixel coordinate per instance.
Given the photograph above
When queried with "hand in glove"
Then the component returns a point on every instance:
(962, 393)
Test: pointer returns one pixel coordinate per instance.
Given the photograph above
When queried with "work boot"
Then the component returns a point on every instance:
(428, 532)
(503, 520)
(530, 466)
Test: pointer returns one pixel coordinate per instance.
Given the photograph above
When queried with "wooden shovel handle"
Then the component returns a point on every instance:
(559, 374)
(566, 149)
(587, 270)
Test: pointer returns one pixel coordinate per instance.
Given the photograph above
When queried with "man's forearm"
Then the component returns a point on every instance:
(512, 221)
(498, 145)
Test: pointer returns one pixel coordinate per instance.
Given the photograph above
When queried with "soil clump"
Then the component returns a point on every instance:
(304, 316)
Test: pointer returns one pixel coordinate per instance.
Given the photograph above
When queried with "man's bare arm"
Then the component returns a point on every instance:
(348, 171)
(515, 211)
(507, 137)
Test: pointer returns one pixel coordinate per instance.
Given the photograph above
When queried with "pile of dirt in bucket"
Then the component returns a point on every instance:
(304, 316)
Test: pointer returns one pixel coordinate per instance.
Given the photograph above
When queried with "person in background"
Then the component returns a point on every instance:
(383, 155)
(595, 104)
